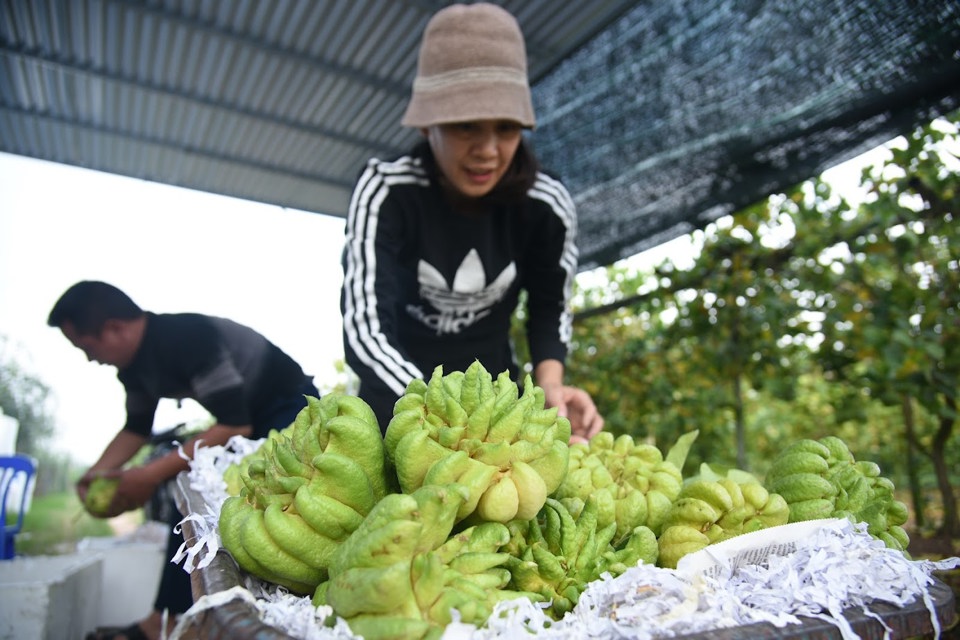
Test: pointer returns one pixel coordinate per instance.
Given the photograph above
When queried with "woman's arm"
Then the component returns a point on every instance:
(373, 242)
(549, 324)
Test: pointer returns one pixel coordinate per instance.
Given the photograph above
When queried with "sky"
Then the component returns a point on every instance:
(172, 250)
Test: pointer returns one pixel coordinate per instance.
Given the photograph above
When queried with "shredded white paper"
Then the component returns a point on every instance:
(830, 566)
(206, 480)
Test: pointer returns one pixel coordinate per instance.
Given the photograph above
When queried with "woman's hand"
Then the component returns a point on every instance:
(577, 406)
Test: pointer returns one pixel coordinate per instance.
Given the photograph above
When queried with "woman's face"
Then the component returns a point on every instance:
(474, 155)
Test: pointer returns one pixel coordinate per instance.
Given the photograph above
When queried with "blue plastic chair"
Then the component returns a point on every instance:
(10, 467)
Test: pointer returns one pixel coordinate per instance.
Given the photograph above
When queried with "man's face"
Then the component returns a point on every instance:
(107, 347)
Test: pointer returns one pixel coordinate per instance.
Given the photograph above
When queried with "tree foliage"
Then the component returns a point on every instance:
(803, 315)
(25, 398)
(891, 301)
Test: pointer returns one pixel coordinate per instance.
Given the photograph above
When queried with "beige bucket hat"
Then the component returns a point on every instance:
(472, 66)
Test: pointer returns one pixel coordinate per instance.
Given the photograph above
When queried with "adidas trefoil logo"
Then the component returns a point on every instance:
(466, 300)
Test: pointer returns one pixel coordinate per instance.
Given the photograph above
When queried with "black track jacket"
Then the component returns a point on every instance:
(425, 285)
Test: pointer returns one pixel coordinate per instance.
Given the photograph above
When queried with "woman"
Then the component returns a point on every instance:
(441, 242)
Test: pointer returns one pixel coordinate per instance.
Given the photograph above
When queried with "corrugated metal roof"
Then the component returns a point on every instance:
(661, 115)
(280, 101)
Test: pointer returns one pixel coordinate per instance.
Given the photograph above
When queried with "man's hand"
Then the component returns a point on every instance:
(110, 465)
(135, 489)
(83, 484)
(577, 406)
(137, 486)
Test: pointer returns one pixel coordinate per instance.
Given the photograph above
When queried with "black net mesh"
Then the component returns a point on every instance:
(686, 110)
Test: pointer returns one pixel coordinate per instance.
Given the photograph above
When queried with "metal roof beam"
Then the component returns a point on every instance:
(208, 26)
(219, 157)
(61, 64)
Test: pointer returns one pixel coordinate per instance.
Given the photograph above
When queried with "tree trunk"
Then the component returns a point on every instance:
(738, 427)
(916, 494)
(738, 423)
(951, 523)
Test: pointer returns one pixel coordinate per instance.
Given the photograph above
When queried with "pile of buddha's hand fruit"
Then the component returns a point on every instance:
(474, 495)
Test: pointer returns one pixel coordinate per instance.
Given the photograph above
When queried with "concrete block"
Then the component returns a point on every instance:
(49, 597)
(130, 575)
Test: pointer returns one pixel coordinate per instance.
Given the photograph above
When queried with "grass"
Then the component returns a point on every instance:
(55, 523)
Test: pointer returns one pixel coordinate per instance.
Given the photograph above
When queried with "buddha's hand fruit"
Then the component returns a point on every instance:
(100, 495)
(556, 555)
(403, 574)
(633, 483)
(304, 491)
(712, 508)
(823, 479)
(467, 428)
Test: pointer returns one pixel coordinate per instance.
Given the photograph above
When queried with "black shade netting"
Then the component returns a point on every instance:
(684, 111)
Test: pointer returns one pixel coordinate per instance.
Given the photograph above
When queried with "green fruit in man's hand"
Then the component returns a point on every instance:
(100, 494)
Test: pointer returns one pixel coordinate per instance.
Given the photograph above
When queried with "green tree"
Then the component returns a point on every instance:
(889, 293)
(807, 312)
(24, 397)
(700, 341)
